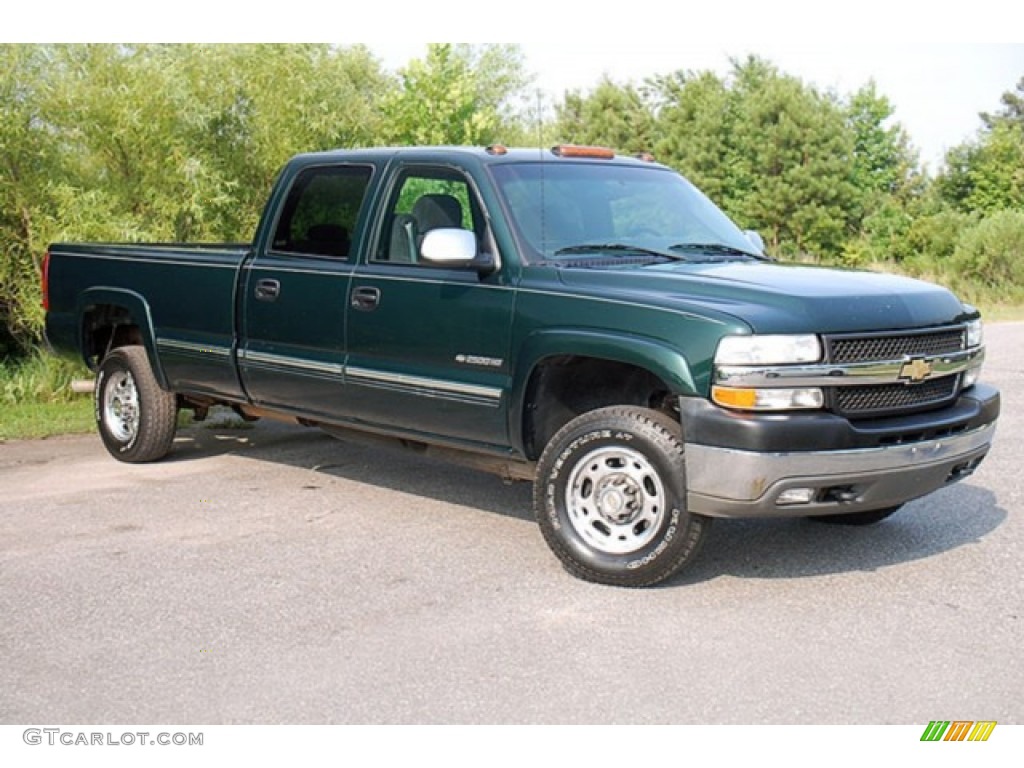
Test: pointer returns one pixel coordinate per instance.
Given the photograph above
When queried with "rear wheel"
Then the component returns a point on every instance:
(857, 518)
(135, 417)
(610, 498)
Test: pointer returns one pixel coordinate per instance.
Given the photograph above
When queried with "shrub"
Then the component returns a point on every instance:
(988, 263)
(39, 378)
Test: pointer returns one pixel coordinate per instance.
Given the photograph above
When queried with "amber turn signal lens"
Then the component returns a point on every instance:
(572, 150)
(770, 399)
(734, 398)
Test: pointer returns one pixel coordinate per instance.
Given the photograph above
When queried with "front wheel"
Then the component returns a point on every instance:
(610, 498)
(135, 417)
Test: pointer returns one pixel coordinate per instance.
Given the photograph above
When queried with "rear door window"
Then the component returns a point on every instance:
(322, 210)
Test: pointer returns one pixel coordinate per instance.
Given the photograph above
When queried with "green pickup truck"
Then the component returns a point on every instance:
(583, 320)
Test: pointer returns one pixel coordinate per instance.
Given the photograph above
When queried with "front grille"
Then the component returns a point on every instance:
(874, 401)
(889, 399)
(876, 348)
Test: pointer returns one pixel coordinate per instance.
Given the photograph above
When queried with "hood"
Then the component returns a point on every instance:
(781, 298)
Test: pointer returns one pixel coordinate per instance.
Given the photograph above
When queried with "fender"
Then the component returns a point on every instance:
(136, 307)
(667, 363)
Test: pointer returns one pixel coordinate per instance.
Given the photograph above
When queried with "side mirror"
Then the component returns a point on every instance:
(451, 247)
(755, 239)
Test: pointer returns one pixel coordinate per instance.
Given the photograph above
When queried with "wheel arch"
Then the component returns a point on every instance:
(621, 369)
(112, 317)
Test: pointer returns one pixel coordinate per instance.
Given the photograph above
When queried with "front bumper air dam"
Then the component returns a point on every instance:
(725, 482)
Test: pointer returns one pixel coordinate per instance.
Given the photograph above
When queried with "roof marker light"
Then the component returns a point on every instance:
(574, 150)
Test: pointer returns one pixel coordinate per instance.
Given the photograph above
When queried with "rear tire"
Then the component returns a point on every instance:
(610, 498)
(135, 417)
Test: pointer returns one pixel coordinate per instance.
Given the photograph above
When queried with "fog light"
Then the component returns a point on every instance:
(971, 377)
(795, 496)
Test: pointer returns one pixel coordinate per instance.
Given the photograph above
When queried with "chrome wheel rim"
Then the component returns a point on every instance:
(615, 500)
(121, 407)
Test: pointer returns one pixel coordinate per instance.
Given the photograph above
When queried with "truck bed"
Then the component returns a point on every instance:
(183, 292)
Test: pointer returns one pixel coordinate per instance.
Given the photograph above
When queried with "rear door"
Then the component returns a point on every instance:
(295, 292)
(429, 345)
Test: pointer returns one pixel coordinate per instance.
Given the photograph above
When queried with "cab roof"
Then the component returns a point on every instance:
(489, 155)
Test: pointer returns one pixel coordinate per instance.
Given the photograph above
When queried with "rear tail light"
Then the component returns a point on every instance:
(46, 281)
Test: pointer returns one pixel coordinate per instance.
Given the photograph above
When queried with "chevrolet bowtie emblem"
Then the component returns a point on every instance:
(916, 370)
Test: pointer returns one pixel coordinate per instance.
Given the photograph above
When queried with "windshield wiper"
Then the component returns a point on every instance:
(616, 248)
(717, 248)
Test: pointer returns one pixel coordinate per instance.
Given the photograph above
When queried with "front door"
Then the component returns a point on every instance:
(429, 345)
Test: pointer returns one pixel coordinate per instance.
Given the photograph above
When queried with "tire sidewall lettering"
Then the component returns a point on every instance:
(662, 546)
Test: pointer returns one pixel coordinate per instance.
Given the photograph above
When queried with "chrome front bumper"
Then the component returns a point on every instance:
(725, 482)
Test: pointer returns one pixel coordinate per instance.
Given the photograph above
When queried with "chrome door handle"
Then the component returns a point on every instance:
(365, 298)
(268, 290)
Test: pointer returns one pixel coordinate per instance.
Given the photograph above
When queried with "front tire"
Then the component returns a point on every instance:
(610, 498)
(135, 417)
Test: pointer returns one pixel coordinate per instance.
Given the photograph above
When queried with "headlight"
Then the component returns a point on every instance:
(743, 351)
(768, 350)
(974, 333)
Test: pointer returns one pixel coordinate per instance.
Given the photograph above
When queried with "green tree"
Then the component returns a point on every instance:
(986, 174)
(610, 115)
(795, 145)
(886, 174)
(775, 153)
(159, 142)
(884, 161)
(696, 119)
(457, 94)
(29, 158)
(1013, 108)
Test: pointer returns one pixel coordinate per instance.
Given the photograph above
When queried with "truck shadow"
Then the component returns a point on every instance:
(789, 548)
(785, 548)
(389, 467)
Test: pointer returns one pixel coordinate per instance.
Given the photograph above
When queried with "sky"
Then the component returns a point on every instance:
(939, 62)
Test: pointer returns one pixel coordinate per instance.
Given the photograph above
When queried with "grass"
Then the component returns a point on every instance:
(39, 378)
(29, 421)
(1001, 313)
(24, 421)
(36, 398)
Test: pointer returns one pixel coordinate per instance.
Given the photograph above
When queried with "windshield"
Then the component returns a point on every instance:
(561, 211)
